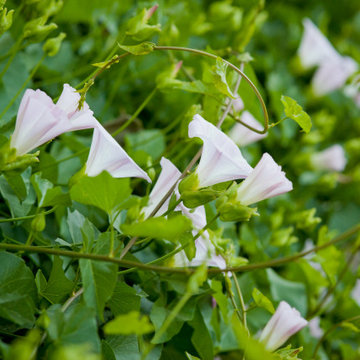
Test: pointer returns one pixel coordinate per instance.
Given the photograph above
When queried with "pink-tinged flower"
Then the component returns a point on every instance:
(332, 75)
(265, 181)
(284, 323)
(330, 159)
(315, 48)
(39, 120)
(107, 154)
(205, 250)
(243, 136)
(221, 159)
(168, 177)
(314, 326)
(355, 293)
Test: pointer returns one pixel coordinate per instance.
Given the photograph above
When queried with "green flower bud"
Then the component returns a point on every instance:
(6, 19)
(193, 199)
(49, 8)
(38, 223)
(52, 46)
(37, 29)
(232, 211)
(189, 183)
(306, 219)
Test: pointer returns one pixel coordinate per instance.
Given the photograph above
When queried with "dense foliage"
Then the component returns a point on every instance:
(103, 259)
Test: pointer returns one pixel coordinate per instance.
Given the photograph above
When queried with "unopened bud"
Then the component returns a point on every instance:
(6, 19)
(151, 11)
(37, 28)
(193, 199)
(38, 223)
(52, 46)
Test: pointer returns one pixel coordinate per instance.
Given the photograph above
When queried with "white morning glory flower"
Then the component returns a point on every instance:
(316, 50)
(284, 323)
(168, 177)
(221, 159)
(330, 159)
(107, 154)
(243, 136)
(39, 120)
(265, 181)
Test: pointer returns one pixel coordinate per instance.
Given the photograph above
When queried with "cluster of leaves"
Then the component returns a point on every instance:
(63, 306)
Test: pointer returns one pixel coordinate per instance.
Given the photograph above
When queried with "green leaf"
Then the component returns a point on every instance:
(77, 325)
(191, 357)
(159, 227)
(103, 191)
(216, 76)
(201, 338)
(47, 194)
(124, 299)
(99, 279)
(290, 291)
(140, 49)
(127, 324)
(58, 285)
(138, 27)
(18, 207)
(351, 326)
(262, 301)
(124, 347)
(17, 291)
(197, 279)
(295, 112)
(221, 298)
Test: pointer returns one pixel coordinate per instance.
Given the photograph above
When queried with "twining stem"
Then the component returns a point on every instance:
(136, 113)
(331, 330)
(33, 72)
(241, 299)
(69, 301)
(27, 217)
(331, 289)
(163, 269)
(232, 66)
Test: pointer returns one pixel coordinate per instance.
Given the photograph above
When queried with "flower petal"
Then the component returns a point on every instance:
(284, 323)
(168, 177)
(315, 48)
(107, 154)
(330, 159)
(221, 159)
(265, 181)
(243, 136)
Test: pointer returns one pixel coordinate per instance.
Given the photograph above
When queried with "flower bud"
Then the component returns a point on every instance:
(233, 211)
(193, 199)
(52, 46)
(6, 19)
(37, 29)
(38, 223)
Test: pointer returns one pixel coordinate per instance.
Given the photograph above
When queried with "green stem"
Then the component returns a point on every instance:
(232, 66)
(136, 113)
(164, 269)
(34, 70)
(26, 217)
(241, 299)
(171, 317)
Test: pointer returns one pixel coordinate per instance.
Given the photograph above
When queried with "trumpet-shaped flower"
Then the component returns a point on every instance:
(243, 136)
(265, 181)
(40, 120)
(284, 323)
(221, 159)
(330, 159)
(315, 48)
(332, 75)
(107, 154)
(168, 177)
